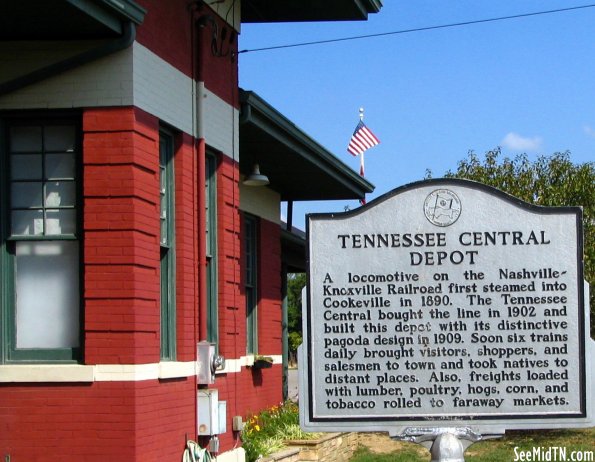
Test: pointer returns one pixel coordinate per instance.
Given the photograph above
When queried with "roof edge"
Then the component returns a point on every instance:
(271, 114)
(126, 9)
(371, 6)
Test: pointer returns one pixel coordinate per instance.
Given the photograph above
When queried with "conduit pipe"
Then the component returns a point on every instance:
(105, 49)
(201, 184)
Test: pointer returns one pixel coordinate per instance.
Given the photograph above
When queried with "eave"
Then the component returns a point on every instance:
(66, 19)
(308, 10)
(298, 167)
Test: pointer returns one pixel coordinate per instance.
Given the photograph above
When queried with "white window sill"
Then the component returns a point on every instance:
(96, 373)
(31, 373)
(46, 373)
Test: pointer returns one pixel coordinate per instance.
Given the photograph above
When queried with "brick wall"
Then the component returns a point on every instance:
(185, 168)
(269, 303)
(232, 331)
(147, 419)
(121, 236)
(115, 421)
(251, 389)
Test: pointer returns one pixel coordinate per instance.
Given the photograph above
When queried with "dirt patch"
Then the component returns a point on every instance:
(381, 443)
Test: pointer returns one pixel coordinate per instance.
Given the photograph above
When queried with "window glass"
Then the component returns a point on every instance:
(250, 248)
(47, 294)
(167, 267)
(39, 253)
(25, 139)
(44, 181)
(211, 248)
(58, 166)
(59, 138)
(60, 194)
(26, 167)
(61, 221)
(26, 195)
(27, 223)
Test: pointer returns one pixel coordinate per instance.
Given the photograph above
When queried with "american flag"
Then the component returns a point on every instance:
(361, 140)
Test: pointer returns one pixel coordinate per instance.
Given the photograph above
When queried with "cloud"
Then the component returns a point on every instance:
(516, 142)
(589, 131)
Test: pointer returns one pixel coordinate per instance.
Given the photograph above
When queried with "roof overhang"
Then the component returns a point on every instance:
(308, 10)
(66, 19)
(299, 168)
(293, 249)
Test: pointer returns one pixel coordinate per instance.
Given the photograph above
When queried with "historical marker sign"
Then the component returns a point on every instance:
(445, 300)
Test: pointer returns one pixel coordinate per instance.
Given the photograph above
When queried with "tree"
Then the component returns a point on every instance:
(295, 284)
(548, 181)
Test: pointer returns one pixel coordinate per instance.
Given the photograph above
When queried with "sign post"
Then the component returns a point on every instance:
(446, 311)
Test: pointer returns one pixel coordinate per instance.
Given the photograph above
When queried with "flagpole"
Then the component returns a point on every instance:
(361, 164)
(361, 140)
(361, 160)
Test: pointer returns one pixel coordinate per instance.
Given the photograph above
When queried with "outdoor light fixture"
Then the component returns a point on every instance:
(256, 178)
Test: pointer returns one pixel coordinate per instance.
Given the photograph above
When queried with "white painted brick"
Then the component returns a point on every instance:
(78, 87)
(134, 76)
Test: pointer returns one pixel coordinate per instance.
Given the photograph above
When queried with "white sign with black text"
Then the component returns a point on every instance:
(446, 301)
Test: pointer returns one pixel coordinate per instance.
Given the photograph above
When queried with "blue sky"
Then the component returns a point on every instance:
(527, 85)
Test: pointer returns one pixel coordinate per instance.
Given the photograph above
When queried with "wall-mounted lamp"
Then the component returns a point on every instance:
(256, 178)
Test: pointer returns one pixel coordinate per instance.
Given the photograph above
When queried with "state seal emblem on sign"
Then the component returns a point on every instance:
(442, 207)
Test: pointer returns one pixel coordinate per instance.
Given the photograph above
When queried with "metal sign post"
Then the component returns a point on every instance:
(445, 444)
(444, 312)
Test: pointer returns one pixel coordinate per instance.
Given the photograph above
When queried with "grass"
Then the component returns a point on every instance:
(497, 450)
(408, 454)
(267, 431)
(503, 449)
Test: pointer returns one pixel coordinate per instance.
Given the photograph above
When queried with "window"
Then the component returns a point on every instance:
(167, 267)
(40, 261)
(211, 244)
(251, 287)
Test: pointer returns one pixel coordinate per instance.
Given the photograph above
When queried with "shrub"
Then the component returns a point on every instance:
(267, 431)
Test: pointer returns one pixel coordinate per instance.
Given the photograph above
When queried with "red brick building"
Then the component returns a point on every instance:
(128, 235)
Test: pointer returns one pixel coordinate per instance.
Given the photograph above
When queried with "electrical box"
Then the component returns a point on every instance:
(207, 362)
(222, 417)
(208, 412)
(237, 423)
(205, 352)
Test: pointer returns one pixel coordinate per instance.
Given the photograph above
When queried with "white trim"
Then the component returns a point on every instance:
(47, 373)
(229, 11)
(170, 370)
(115, 372)
(235, 455)
(107, 81)
(262, 202)
(134, 76)
(167, 93)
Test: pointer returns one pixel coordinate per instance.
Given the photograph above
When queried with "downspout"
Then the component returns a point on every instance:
(201, 197)
(284, 332)
(105, 49)
(201, 185)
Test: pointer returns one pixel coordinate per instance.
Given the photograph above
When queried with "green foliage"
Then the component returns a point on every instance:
(267, 431)
(295, 340)
(496, 450)
(410, 454)
(549, 181)
(295, 284)
(503, 449)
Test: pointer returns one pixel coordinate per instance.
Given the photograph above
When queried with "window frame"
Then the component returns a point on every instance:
(167, 256)
(251, 248)
(211, 243)
(9, 353)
